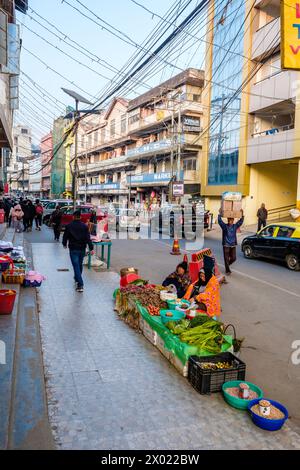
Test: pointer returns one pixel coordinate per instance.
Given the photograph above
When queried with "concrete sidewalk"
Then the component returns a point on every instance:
(109, 388)
(23, 415)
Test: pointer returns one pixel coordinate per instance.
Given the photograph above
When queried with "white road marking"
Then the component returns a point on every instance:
(274, 286)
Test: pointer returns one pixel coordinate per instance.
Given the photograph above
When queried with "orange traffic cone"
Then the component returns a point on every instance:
(176, 247)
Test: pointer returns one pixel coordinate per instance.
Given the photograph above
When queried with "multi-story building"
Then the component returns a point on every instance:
(10, 46)
(138, 147)
(252, 131)
(46, 155)
(58, 163)
(18, 170)
(35, 172)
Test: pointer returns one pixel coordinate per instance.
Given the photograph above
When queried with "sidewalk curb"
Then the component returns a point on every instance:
(29, 427)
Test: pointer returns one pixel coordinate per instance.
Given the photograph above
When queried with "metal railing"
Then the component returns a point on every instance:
(280, 213)
(273, 130)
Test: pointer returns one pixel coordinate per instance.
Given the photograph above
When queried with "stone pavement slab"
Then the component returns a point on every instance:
(109, 388)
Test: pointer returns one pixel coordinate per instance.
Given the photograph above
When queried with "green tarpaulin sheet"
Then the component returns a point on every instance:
(172, 342)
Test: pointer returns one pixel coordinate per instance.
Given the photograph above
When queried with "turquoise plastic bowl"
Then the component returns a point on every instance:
(172, 304)
(176, 315)
(236, 402)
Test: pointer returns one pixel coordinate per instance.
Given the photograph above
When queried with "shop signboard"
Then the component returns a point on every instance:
(100, 187)
(178, 189)
(164, 177)
(152, 147)
(191, 124)
(290, 34)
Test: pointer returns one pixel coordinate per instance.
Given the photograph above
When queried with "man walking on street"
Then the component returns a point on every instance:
(262, 215)
(77, 237)
(55, 221)
(229, 240)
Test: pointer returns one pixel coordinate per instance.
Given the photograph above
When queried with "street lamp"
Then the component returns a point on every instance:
(78, 99)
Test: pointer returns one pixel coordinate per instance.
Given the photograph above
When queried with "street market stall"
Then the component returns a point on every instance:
(196, 344)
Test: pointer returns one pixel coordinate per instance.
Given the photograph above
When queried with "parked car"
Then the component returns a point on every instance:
(67, 214)
(44, 202)
(180, 221)
(49, 208)
(276, 241)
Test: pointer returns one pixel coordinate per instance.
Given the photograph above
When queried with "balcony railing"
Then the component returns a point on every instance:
(273, 130)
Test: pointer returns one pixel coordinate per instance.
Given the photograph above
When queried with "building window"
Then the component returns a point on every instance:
(3, 37)
(190, 164)
(24, 131)
(103, 131)
(134, 117)
(123, 124)
(112, 128)
(197, 98)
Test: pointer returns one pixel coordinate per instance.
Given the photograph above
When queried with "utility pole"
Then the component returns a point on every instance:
(179, 141)
(23, 178)
(75, 171)
(172, 155)
(86, 158)
(129, 195)
(78, 99)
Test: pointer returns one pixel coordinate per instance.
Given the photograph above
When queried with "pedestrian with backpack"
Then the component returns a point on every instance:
(39, 210)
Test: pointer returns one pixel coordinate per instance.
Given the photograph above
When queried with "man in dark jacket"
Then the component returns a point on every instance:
(229, 240)
(31, 210)
(55, 221)
(77, 237)
(262, 215)
(26, 218)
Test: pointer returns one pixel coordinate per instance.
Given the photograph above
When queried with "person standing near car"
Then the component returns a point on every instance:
(55, 221)
(262, 215)
(39, 210)
(229, 239)
(77, 238)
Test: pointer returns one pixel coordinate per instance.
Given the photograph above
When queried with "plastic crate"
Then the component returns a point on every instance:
(13, 276)
(209, 381)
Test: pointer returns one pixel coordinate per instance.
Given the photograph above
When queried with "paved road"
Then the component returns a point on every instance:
(261, 299)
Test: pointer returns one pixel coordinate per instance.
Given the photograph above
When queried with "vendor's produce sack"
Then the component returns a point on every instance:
(125, 271)
(295, 213)
(95, 261)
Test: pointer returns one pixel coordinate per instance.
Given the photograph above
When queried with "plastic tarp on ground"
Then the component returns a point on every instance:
(172, 342)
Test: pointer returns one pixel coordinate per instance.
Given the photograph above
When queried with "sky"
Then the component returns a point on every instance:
(124, 15)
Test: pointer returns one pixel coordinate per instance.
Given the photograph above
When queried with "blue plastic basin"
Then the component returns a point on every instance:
(268, 424)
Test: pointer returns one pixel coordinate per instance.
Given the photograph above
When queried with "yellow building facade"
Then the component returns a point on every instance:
(68, 151)
(251, 138)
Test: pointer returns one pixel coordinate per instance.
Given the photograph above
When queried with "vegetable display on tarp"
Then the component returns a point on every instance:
(128, 297)
(173, 342)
